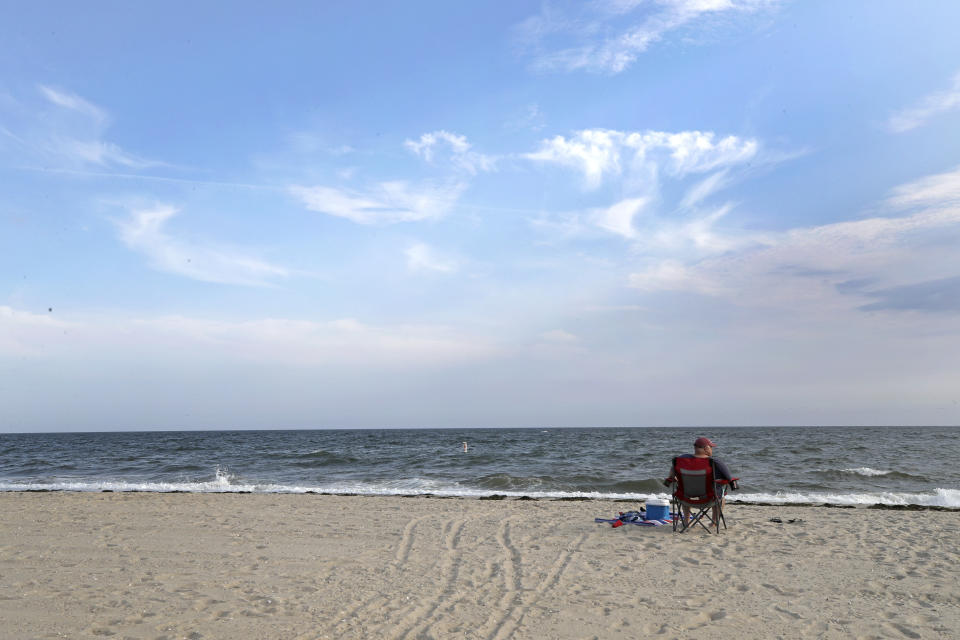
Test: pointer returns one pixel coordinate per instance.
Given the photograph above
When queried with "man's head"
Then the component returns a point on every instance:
(704, 445)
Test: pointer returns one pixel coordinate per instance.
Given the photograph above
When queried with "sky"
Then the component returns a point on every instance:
(463, 214)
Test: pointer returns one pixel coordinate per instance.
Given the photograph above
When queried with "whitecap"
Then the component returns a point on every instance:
(867, 471)
(937, 498)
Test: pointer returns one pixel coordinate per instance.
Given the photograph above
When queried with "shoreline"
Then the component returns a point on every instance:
(497, 497)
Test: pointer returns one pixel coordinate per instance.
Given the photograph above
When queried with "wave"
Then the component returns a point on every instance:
(566, 486)
(867, 472)
(224, 482)
(936, 498)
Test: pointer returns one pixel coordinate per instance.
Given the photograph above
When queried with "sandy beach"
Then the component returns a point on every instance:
(165, 566)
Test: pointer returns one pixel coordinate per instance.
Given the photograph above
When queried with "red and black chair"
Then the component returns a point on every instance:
(697, 490)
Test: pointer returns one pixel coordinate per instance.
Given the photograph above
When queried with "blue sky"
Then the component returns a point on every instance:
(436, 214)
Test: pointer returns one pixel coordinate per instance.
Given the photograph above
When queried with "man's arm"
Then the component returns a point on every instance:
(720, 470)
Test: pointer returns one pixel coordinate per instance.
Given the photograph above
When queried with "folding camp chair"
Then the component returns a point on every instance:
(697, 488)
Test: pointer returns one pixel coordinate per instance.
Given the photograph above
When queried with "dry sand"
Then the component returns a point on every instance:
(139, 565)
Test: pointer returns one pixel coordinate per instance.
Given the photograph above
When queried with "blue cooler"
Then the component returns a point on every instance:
(658, 509)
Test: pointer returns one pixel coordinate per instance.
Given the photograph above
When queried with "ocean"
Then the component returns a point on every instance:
(789, 465)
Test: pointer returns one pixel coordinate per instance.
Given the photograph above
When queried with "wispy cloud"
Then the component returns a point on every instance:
(384, 203)
(144, 231)
(344, 343)
(633, 166)
(26, 333)
(595, 153)
(897, 262)
(598, 153)
(705, 188)
(74, 102)
(431, 147)
(942, 189)
(927, 108)
(65, 131)
(530, 118)
(696, 235)
(608, 37)
(618, 218)
(422, 257)
(673, 275)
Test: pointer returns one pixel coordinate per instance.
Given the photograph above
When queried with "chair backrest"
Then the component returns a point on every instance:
(694, 479)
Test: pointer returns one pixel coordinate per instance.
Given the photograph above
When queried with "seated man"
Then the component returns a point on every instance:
(703, 448)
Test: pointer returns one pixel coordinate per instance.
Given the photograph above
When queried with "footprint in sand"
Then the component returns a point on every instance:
(786, 612)
(903, 629)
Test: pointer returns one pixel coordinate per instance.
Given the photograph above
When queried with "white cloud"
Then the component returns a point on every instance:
(100, 153)
(694, 151)
(144, 232)
(704, 189)
(24, 333)
(425, 146)
(460, 154)
(633, 166)
(67, 132)
(421, 257)
(938, 190)
(833, 266)
(606, 36)
(599, 153)
(695, 235)
(385, 203)
(927, 108)
(672, 275)
(618, 218)
(74, 102)
(594, 152)
(636, 164)
(344, 343)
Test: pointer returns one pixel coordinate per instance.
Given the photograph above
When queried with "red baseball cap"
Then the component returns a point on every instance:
(703, 442)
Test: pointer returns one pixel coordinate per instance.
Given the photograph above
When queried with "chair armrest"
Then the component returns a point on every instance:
(668, 481)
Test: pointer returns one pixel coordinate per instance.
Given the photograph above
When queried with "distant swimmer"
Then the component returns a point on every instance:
(464, 447)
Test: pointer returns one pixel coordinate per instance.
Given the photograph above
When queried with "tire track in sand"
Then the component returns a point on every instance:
(362, 607)
(516, 602)
(421, 616)
(406, 541)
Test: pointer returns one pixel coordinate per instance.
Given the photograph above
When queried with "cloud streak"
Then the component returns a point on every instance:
(422, 257)
(385, 203)
(66, 131)
(431, 147)
(608, 37)
(601, 153)
(879, 263)
(927, 108)
(144, 231)
(633, 165)
(341, 343)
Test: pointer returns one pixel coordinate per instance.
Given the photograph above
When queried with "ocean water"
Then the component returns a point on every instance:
(831, 465)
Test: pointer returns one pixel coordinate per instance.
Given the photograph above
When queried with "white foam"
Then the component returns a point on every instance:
(224, 482)
(937, 498)
(867, 471)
